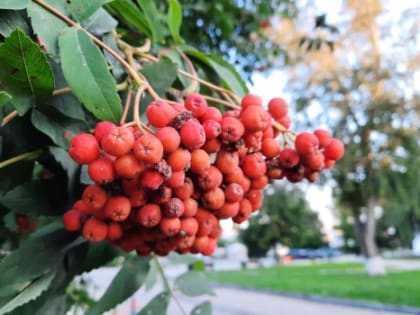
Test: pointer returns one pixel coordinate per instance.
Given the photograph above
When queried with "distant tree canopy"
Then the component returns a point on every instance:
(285, 218)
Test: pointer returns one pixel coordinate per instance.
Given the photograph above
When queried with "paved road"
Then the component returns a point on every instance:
(230, 301)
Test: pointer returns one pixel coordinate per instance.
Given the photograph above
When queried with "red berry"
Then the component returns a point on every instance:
(115, 231)
(101, 171)
(148, 148)
(251, 100)
(84, 148)
(234, 192)
(151, 179)
(128, 166)
(71, 220)
(232, 129)
(334, 150)
(102, 129)
(255, 118)
(323, 136)
(95, 230)
(197, 104)
(170, 226)
(149, 215)
(277, 107)
(174, 207)
(118, 142)
(254, 165)
(306, 142)
(192, 134)
(288, 158)
(94, 197)
(169, 137)
(117, 208)
(212, 129)
(160, 114)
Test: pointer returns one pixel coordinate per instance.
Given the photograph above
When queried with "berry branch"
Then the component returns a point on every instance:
(20, 157)
(167, 285)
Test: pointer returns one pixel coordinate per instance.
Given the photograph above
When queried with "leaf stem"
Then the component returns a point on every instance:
(194, 83)
(167, 285)
(219, 101)
(127, 106)
(20, 157)
(136, 109)
(9, 118)
(63, 90)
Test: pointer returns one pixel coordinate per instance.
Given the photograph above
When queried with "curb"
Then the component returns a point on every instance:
(323, 299)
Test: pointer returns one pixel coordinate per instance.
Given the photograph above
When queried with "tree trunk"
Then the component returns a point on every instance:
(365, 227)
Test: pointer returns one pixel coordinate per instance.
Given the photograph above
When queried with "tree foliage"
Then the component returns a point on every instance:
(285, 218)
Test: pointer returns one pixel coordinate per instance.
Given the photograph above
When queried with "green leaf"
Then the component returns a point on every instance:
(100, 22)
(129, 13)
(193, 283)
(157, 306)
(4, 98)
(43, 253)
(202, 309)
(227, 73)
(82, 9)
(152, 276)
(175, 258)
(29, 198)
(13, 4)
(151, 14)
(26, 73)
(30, 292)
(46, 25)
(15, 174)
(11, 20)
(88, 256)
(57, 126)
(175, 20)
(116, 68)
(71, 167)
(160, 75)
(128, 280)
(86, 71)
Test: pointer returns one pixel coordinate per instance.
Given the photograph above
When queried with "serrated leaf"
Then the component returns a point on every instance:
(26, 73)
(43, 253)
(202, 309)
(11, 20)
(82, 9)
(127, 281)
(13, 4)
(29, 293)
(157, 306)
(151, 13)
(129, 13)
(29, 198)
(87, 73)
(46, 25)
(100, 22)
(57, 126)
(175, 20)
(4, 98)
(193, 283)
(227, 73)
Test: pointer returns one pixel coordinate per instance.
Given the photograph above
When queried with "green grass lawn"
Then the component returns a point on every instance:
(342, 280)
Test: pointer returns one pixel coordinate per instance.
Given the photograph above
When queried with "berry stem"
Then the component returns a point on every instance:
(20, 157)
(194, 83)
(9, 118)
(192, 77)
(219, 101)
(63, 90)
(127, 106)
(167, 285)
(136, 110)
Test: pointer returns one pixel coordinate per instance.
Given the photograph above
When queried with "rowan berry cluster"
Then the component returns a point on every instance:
(167, 189)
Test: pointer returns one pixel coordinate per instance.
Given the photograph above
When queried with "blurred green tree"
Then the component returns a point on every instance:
(285, 218)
